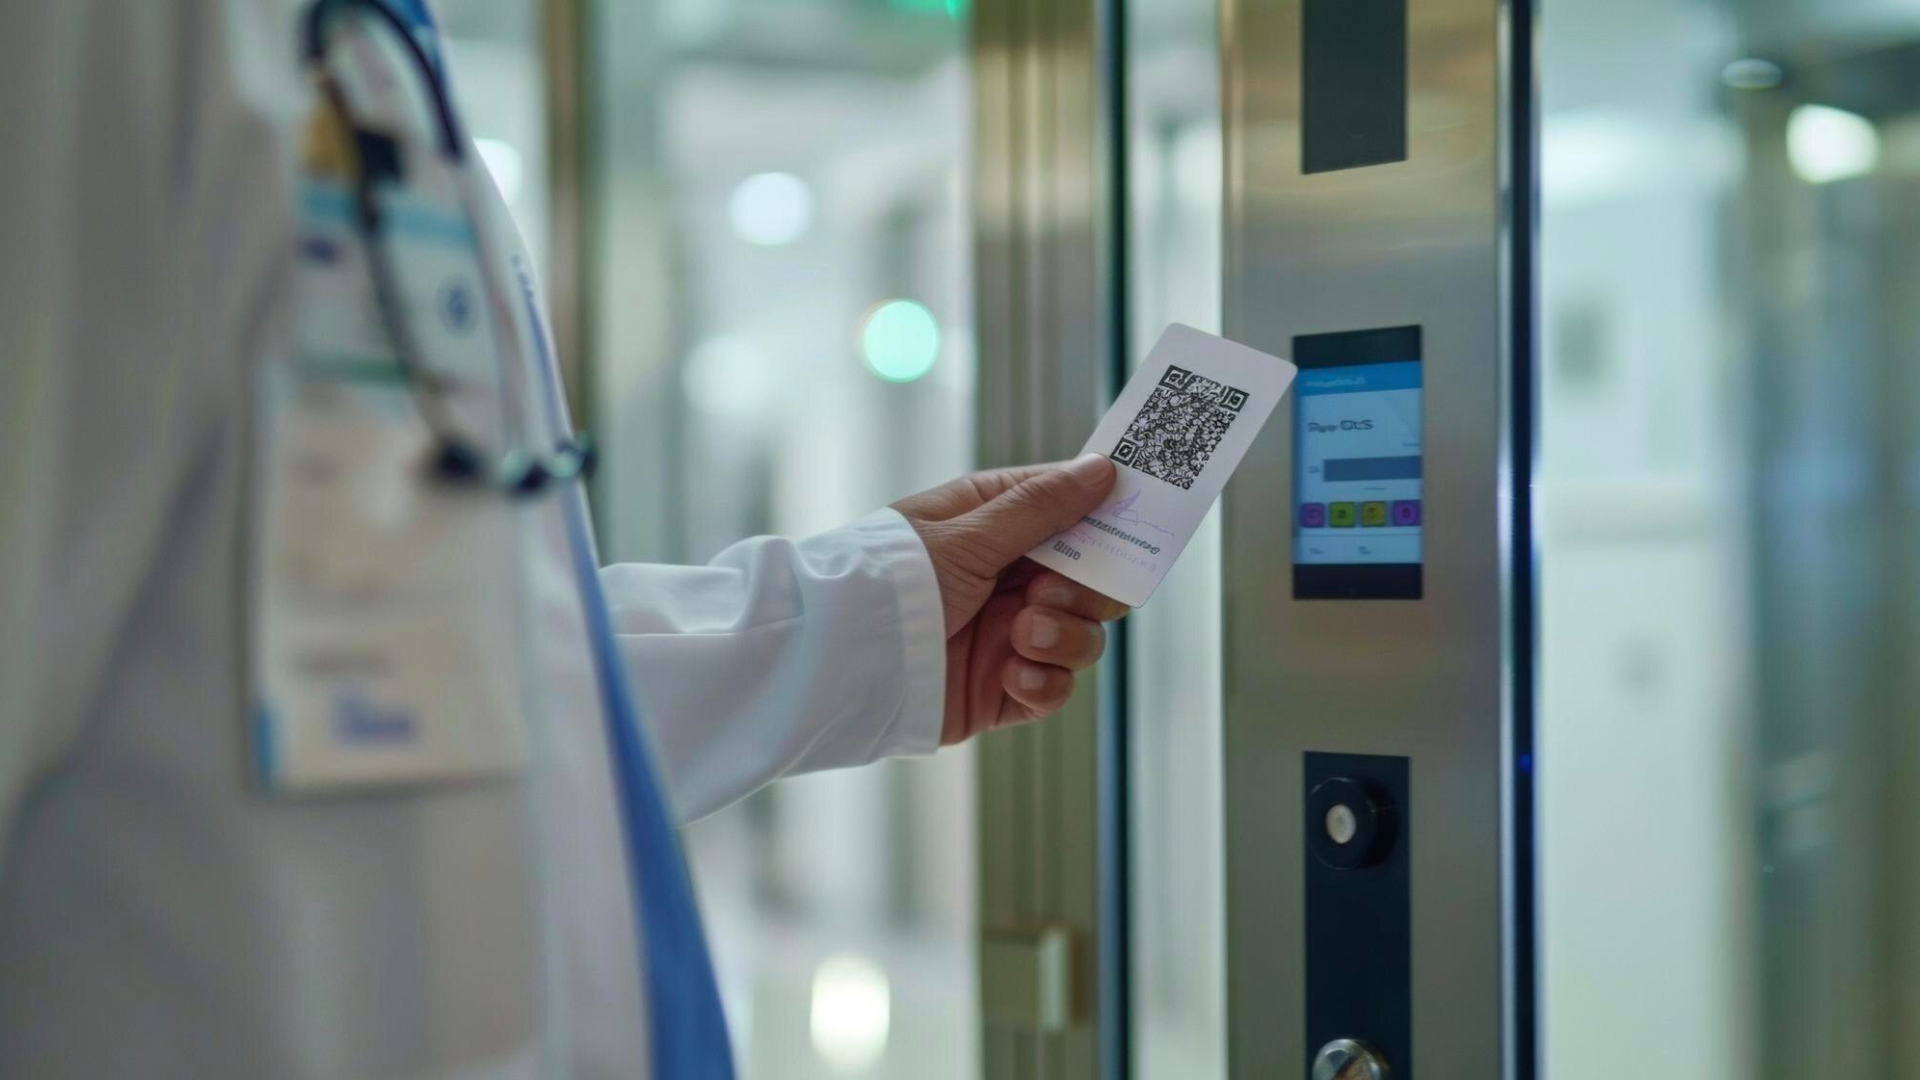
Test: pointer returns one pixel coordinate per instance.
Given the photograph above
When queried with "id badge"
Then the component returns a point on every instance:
(386, 606)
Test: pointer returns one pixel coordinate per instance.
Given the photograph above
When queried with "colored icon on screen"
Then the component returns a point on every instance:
(1373, 514)
(1406, 512)
(1340, 515)
(1313, 515)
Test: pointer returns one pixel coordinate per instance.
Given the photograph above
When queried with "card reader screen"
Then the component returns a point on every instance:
(1358, 507)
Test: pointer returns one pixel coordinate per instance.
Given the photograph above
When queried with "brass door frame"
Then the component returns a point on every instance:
(1046, 325)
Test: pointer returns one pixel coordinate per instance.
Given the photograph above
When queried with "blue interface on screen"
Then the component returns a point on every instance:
(1357, 453)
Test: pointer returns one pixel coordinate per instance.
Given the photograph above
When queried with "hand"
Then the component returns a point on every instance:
(1016, 633)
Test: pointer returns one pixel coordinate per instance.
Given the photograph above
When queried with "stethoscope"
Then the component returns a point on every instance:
(456, 459)
(687, 1020)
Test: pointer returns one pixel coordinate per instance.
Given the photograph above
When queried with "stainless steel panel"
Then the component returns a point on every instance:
(1423, 241)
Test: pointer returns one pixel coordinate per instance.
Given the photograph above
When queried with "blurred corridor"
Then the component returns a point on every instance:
(1725, 475)
(807, 257)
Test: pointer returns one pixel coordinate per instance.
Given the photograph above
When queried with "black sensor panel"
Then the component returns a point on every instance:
(1359, 931)
(1354, 84)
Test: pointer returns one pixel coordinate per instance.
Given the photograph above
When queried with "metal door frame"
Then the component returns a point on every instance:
(1047, 274)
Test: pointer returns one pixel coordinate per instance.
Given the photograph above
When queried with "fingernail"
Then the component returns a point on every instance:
(1053, 596)
(1090, 468)
(1032, 678)
(1044, 630)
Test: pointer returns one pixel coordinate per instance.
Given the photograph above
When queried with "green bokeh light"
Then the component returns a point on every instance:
(901, 340)
(954, 9)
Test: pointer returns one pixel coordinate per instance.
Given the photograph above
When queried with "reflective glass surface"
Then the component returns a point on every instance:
(779, 326)
(1173, 660)
(1728, 509)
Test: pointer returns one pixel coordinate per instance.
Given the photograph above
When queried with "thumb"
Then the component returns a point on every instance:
(1020, 518)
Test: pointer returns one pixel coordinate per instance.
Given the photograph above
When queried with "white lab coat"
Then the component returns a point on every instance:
(162, 918)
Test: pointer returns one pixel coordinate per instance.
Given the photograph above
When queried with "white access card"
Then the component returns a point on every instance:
(1177, 432)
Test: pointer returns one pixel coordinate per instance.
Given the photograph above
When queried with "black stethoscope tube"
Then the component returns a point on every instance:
(456, 459)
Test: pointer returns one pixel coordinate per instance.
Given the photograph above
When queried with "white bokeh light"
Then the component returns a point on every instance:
(1591, 155)
(901, 340)
(852, 1010)
(771, 209)
(1827, 144)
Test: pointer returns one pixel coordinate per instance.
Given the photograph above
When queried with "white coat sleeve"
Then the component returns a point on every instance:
(782, 656)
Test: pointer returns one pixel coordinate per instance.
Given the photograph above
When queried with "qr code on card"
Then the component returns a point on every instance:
(1176, 431)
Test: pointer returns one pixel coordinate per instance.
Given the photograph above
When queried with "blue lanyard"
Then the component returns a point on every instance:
(689, 1025)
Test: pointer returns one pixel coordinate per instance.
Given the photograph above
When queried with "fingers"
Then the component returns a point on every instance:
(1049, 646)
(1065, 594)
(958, 496)
(1035, 690)
(993, 483)
(1050, 636)
(1035, 508)
(949, 500)
(1052, 639)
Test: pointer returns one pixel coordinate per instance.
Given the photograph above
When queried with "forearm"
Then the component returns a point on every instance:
(783, 657)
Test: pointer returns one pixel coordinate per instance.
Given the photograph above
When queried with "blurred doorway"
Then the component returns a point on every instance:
(779, 320)
(1728, 543)
(1726, 497)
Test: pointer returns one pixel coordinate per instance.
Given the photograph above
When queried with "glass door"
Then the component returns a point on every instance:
(1728, 553)
(1170, 57)
(780, 321)
(1646, 848)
